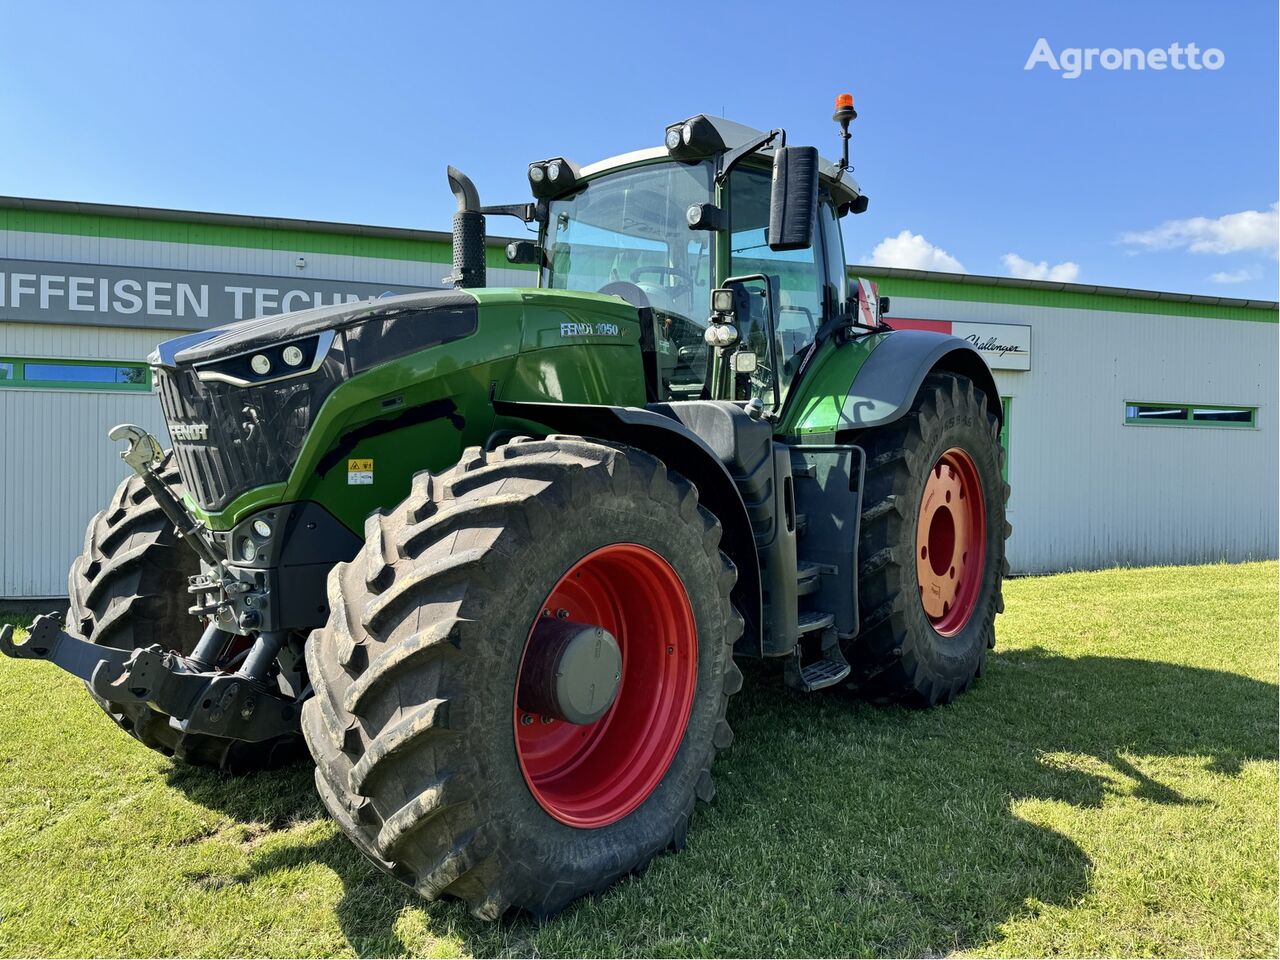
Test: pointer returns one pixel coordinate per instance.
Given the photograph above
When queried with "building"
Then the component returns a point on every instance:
(1141, 426)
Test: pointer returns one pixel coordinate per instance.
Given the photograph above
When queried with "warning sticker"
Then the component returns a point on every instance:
(359, 472)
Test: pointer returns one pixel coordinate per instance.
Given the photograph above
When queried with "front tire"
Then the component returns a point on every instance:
(931, 548)
(424, 754)
(128, 590)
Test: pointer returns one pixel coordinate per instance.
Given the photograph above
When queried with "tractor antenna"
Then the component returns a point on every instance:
(844, 115)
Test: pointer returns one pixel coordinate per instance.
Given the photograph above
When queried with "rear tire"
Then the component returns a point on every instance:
(418, 756)
(128, 589)
(909, 649)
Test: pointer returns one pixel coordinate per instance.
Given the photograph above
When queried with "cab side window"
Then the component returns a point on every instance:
(799, 273)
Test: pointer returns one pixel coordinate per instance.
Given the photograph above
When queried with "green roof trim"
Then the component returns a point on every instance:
(430, 246)
(1036, 295)
(353, 244)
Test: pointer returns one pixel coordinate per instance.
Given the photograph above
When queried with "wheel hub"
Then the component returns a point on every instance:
(621, 608)
(951, 542)
(571, 671)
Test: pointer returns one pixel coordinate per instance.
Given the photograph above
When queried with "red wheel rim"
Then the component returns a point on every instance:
(595, 774)
(951, 542)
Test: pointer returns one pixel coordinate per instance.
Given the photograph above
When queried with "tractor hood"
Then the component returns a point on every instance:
(260, 333)
(239, 400)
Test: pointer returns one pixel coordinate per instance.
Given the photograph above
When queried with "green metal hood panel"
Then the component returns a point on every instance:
(417, 412)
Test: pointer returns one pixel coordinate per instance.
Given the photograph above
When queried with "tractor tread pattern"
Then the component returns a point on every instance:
(406, 786)
(128, 589)
(884, 670)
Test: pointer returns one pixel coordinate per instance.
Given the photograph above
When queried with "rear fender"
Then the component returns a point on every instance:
(689, 455)
(886, 383)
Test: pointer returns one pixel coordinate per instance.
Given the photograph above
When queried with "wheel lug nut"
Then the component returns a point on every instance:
(526, 719)
(562, 614)
(548, 720)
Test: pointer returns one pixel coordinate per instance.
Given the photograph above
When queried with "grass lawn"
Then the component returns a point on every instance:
(1109, 787)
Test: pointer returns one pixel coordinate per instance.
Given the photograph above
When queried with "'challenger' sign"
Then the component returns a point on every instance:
(39, 291)
(1005, 346)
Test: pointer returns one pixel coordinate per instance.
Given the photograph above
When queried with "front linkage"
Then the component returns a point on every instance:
(191, 690)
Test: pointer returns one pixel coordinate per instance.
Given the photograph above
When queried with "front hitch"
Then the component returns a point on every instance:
(198, 700)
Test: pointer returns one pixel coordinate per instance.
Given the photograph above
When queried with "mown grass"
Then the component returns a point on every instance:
(1109, 787)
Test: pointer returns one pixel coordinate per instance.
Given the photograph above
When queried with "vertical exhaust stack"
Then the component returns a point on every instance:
(468, 233)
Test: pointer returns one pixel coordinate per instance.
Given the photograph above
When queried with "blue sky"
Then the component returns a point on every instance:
(1156, 179)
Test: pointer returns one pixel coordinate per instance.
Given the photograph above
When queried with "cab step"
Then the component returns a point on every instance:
(811, 620)
(808, 578)
(828, 669)
(822, 673)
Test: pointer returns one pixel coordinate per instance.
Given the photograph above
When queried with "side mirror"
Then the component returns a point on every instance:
(524, 251)
(793, 202)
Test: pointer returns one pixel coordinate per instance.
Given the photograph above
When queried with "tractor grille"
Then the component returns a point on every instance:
(252, 434)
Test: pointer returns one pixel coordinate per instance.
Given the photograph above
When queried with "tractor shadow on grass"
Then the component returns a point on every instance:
(841, 828)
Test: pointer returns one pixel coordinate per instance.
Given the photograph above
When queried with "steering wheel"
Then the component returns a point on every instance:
(684, 280)
(629, 292)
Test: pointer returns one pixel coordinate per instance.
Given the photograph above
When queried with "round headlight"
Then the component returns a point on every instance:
(260, 363)
(553, 171)
(292, 356)
(673, 138)
(248, 549)
(686, 133)
(536, 173)
(262, 528)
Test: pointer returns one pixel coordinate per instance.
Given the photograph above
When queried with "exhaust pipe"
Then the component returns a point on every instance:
(468, 233)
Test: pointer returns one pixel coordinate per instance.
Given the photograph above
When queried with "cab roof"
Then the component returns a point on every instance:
(733, 134)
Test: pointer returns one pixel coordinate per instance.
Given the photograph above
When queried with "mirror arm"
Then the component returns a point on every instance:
(528, 212)
(736, 155)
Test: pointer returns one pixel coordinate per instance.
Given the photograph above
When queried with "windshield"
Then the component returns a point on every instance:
(626, 234)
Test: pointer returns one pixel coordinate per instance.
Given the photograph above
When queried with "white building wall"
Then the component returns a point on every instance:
(1090, 491)
(159, 254)
(59, 468)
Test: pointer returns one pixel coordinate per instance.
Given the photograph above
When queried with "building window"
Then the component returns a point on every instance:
(1006, 406)
(55, 374)
(1189, 415)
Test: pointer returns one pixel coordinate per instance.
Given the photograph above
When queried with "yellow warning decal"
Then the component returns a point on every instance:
(359, 472)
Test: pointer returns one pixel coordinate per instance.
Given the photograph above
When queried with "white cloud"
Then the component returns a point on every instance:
(914, 252)
(1065, 272)
(1232, 232)
(1233, 276)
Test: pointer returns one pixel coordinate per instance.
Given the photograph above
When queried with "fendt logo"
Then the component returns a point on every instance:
(189, 431)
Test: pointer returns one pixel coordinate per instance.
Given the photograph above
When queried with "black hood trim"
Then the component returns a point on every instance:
(265, 331)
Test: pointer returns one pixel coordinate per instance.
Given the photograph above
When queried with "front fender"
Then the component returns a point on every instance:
(684, 452)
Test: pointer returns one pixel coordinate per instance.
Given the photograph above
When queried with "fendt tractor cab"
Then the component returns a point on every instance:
(491, 553)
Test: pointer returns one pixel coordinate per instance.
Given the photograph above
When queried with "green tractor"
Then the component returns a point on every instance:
(490, 555)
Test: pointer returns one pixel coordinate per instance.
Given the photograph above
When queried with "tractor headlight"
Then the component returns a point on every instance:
(693, 139)
(721, 335)
(292, 355)
(260, 364)
(248, 549)
(553, 177)
(262, 528)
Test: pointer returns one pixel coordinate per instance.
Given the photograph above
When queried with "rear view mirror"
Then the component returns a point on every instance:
(793, 202)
